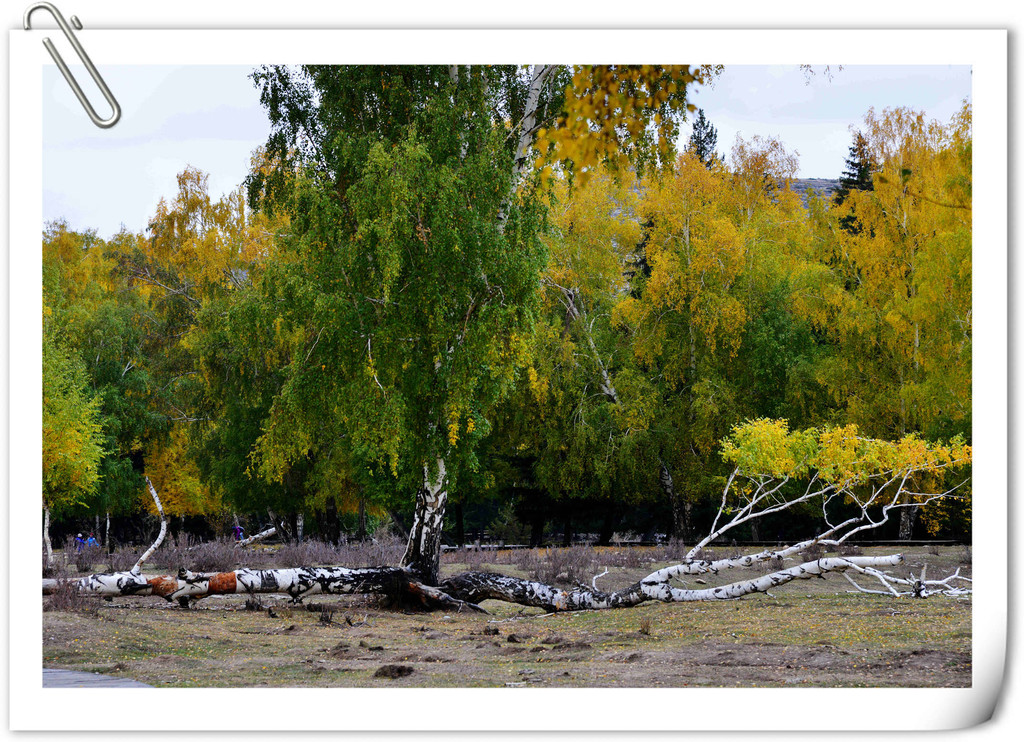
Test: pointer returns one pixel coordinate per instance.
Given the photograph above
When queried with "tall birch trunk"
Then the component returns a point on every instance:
(46, 536)
(137, 569)
(423, 552)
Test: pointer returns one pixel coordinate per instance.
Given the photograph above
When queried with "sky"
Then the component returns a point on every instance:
(210, 118)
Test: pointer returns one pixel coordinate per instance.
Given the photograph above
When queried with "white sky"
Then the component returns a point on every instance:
(210, 118)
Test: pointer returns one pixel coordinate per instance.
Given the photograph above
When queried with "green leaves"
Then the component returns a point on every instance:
(72, 441)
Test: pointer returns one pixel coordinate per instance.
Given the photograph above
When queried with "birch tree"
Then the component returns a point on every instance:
(415, 198)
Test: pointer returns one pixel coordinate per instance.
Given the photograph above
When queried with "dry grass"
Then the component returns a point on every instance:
(812, 633)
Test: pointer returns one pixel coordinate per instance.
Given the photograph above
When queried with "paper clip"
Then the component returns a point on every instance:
(102, 123)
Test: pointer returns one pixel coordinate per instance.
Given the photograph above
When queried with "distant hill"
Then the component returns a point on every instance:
(824, 187)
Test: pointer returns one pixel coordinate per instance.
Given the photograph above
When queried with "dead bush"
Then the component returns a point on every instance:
(965, 555)
(845, 550)
(122, 559)
(67, 596)
(382, 549)
(212, 556)
(310, 553)
(83, 557)
(474, 559)
(566, 566)
(172, 554)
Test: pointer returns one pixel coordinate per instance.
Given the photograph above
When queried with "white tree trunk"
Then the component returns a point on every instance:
(46, 536)
(528, 128)
(477, 586)
(423, 551)
(257, 537)
(160, 537)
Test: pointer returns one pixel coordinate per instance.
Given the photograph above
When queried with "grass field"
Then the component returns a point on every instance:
(812, 633)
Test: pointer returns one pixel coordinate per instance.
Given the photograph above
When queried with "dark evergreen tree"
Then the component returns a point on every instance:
(703, 140)
(856, 177)
(859, 166)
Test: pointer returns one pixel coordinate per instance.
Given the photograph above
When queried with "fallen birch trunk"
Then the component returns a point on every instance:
(296, 582)
(461, 591)
(256, 537)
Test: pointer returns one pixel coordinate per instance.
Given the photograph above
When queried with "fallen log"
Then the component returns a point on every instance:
(297, 582)
(256, 537)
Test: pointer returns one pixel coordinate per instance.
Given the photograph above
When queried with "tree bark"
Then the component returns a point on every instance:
(423, 552)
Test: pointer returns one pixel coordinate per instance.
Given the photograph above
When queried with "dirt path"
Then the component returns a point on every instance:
(72, 679)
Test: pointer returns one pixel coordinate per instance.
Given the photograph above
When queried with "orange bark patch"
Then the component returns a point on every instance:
(222, 582)
(163, 586)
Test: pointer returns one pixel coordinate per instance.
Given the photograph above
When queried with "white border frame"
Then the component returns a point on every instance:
(32, 707)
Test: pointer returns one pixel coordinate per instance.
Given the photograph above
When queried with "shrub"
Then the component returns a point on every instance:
(311, 553)
(122, 559)
(561, 566)
(67, 597)
(172, 554)
(85, 558)
(965, 555)
(383, 549)
(474, 560)
(212, 556)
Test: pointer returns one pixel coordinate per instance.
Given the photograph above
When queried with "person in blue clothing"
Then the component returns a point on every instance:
(91, 541)
(79, 542)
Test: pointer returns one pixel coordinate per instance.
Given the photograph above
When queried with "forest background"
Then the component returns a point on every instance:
(671, 307)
